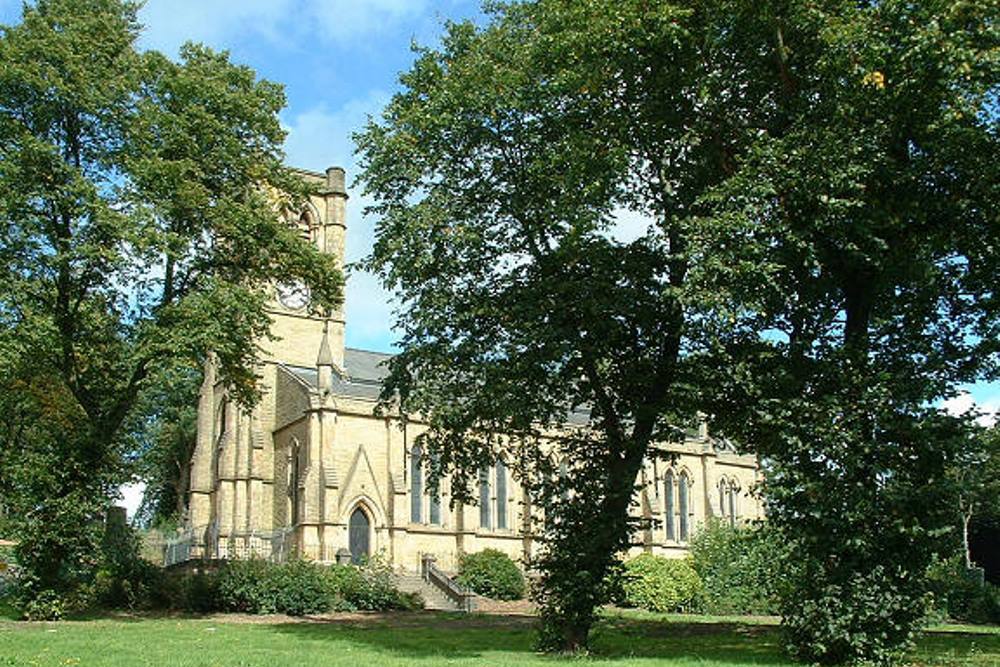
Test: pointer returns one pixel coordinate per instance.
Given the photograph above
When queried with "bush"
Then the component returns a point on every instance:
(300, 587)
(256, 586)
(198, 593)
(246, 586)
(960, 595)
(739, 568)
(369, 587)
(8, 573)
(491, 573)
(46, 605)
(661, 584)
(866, 618)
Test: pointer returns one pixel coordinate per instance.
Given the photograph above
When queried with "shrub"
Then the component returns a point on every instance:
(8, 572)
(492, 573)
(246, 586)
(739, 568)
(660, 584)
(198, 592)
(864, 619)
(256, 586)
(960, 595)
(301, 588)
(369, 587)
(46, 605)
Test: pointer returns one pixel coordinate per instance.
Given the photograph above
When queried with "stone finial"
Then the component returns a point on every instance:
(324, 361)
(335, 180)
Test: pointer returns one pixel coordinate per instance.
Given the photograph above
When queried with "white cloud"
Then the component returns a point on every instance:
(216, 22)
(964, 403)
(320, 137)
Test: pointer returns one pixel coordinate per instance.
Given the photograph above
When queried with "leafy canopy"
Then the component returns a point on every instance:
(140, 203)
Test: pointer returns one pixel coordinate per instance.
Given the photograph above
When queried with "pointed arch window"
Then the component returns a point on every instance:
(683, 505)
(435, 491)
(293, 463)
(305, 225)
(416, 484)
(668, 502)
(722, 497)
(501, 495)
(731, 498)
(484, 498)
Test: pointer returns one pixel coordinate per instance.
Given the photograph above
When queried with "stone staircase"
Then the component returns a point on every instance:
(438, 589)
(434, 598)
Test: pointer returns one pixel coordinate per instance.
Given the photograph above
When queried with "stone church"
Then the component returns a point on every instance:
(312, 470)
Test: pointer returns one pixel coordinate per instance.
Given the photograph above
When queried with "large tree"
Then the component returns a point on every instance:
(872, 192)
(500, 174)
(819, 270)
(139, 202)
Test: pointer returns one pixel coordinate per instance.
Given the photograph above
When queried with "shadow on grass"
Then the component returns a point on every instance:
(426, 635)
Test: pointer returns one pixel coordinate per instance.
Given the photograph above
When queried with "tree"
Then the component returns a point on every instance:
(869, 192)
(163, 442)
(819, 270)
(976, 473)
(140, 206)
(498, 173)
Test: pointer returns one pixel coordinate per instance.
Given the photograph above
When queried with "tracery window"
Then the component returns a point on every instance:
(683, 505)
(435, 504)
(416, 484)
(484, 498)
(668, 501)
(501, 470)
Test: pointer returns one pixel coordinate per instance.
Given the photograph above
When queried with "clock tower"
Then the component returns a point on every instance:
(299, 331)
(232, 489)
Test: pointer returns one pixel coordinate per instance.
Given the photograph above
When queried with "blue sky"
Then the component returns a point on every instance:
(339, 61)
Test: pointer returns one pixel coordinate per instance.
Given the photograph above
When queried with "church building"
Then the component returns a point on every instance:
(311, 470)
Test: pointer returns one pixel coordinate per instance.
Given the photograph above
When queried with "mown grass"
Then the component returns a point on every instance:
(427, 639)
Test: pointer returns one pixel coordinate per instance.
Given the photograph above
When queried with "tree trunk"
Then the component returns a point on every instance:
(583, 539)
(966, 519)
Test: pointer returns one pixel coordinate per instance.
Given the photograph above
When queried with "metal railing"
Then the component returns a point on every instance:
(205, 543)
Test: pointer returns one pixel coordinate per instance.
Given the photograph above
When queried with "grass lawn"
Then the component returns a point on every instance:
(621, 639)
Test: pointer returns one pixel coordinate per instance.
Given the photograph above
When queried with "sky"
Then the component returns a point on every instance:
(339, 61)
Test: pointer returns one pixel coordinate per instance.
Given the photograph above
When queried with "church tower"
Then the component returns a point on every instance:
(232, 494)
(300, 332)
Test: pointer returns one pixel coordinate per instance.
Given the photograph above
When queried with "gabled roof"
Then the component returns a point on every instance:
(365, 371)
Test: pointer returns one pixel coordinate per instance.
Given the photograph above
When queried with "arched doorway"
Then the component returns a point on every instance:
(359, 537)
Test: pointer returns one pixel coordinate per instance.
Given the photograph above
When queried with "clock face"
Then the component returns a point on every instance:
(294, 296)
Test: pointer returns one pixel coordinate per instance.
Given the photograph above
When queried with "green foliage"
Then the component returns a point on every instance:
(198, 592)
(46, 605)
(246, 586)
(498, 174)
(370, 587)
(740, 567)
(492, 573)
(140, 220)
(300, 587)
(873, 614)
(960, 594)
(660, 584)
(259, 587)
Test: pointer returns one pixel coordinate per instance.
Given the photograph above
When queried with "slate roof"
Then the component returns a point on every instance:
(365, 372)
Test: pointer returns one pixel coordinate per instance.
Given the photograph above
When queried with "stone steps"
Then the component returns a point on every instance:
(434, 598)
